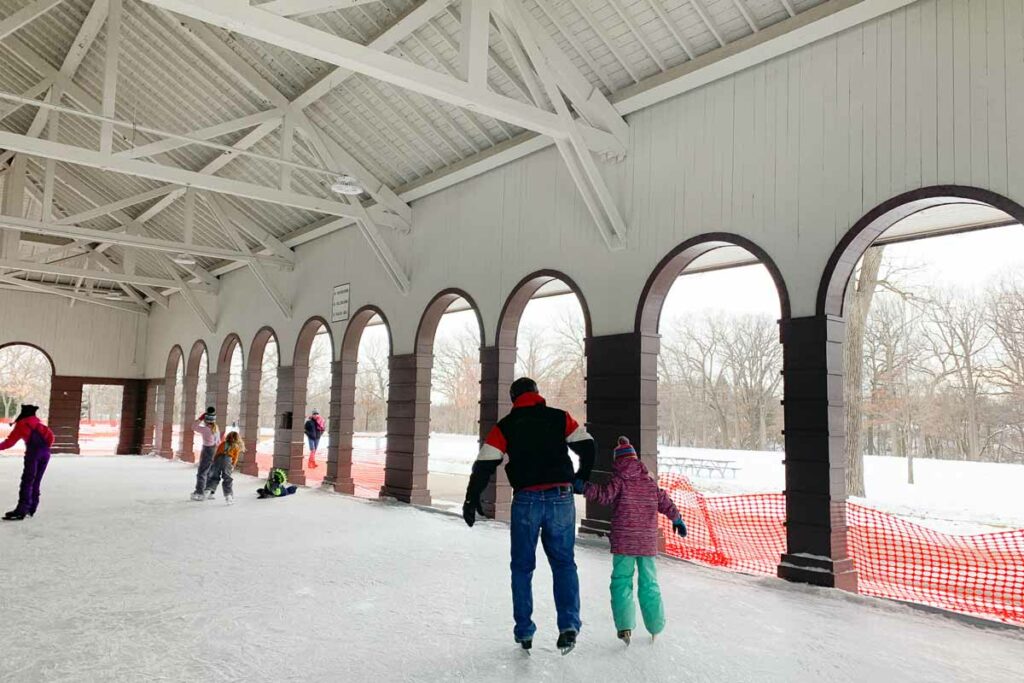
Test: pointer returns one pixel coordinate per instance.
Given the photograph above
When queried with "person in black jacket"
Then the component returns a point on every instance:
(314, 429)
(536, 439)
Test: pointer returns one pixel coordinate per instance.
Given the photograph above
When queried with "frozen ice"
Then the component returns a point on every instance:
(121, 577)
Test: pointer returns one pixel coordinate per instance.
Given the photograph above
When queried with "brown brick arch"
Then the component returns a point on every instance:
(190, 410)
(252, 377)
(165, 426)
(343, 395)
(497, 370)
(291, 398)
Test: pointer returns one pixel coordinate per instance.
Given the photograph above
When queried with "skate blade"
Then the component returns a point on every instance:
(567, 650)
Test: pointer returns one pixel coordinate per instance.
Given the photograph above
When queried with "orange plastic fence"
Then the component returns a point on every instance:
(980, 574)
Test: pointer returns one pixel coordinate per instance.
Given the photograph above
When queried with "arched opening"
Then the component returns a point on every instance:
(228, 383)
(26, 374)
(365, 356)
(928, 291)
(542, 333)
(260, 402)
(450, 336)
(194, 398)
(99, 428)
(169, 427)
(711, 311)
(314, 353)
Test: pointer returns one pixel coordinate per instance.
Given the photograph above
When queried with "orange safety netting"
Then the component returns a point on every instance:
(980, 574)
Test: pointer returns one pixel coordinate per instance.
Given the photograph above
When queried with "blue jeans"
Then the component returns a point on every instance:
(551, 515)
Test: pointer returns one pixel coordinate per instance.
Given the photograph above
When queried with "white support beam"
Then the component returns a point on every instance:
(188, 221)
(50, 168)
(167, 174)
(126, 239)
(575, 152)
(475, 38)
(287, 140)
(587, 99)
(521, 61)
(113, 207)
(9, 107)
(272, 244)
(307, 8)
(25, 15)
(111, 54)
(210, 132)
(258, 271)
(106, 263)
(402, 29)
(303, 39)
(13, 203)
(104, 275)
(49, 289)
(190, 298)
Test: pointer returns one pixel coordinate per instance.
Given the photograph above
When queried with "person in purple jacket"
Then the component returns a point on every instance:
(635, 500)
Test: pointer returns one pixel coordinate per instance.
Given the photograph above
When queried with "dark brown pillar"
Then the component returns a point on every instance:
(165, 445)
(249, 421)
(497, 367)
(133, 417)
(65, 413)
(189, 412)
(408, 425)
(342, 425)
(150, 420)
(288, 424)
(622, 400)
(815, 460)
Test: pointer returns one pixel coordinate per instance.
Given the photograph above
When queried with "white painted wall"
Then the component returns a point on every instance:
(84, 340)
(789, 154)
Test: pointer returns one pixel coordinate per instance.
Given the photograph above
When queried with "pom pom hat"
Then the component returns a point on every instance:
(625, 449)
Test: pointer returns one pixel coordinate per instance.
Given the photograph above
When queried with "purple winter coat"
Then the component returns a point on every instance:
(635, 500)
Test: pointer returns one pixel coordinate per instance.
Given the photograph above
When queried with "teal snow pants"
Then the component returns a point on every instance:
(648, 593)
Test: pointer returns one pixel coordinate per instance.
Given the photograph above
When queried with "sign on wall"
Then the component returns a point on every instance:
(339, 303)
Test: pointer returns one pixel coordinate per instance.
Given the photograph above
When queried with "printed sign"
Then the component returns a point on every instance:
(339, 303)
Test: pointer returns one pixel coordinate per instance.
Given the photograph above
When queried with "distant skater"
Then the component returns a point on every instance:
(314, 429)
(38, 440)
(635, 500)
(224, 462)
(206, 427)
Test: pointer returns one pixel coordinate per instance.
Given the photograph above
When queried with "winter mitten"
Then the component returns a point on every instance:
(578, 485)
(469, 510)
(679, 527)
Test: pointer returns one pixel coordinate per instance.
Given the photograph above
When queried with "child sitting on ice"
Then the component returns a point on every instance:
(635, 500)
(277, 485)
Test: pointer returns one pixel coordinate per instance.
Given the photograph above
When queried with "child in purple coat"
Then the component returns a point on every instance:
(635, 500)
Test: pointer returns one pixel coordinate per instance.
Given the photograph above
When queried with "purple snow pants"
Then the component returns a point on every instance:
(31, 478)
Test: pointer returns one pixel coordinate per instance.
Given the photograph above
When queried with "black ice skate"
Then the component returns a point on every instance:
(526, 644)
(625, 635)
(566, 641)
(14, 516)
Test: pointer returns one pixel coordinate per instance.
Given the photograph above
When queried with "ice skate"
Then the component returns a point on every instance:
(210, 495)
(625, 635)
(14, 516)
(566, 641)
(229, 500)
(526, 644)
(198, 496)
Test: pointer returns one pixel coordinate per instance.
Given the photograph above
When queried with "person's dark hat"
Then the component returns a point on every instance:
(523, 385)
(27, 410)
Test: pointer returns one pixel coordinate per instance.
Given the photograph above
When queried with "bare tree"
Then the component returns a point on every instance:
(372, 386)
(24, 378)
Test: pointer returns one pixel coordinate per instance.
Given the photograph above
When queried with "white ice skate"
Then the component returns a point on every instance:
(230, 500)
(210, 495)
(198, 496)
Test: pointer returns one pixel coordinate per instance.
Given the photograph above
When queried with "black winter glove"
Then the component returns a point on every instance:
(678, 526)
(469, 510)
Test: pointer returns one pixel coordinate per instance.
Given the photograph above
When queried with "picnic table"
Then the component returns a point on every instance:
(683, 465)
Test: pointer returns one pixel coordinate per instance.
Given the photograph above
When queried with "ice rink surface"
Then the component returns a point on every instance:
(121, 578)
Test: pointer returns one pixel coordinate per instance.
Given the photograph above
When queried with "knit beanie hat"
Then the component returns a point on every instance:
(211, 415)
(624, 449)
(27, 410)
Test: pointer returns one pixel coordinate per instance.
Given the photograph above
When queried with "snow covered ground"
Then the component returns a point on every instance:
(121, 578)
(949, 495)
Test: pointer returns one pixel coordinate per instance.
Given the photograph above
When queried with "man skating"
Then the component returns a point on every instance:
(536, 439)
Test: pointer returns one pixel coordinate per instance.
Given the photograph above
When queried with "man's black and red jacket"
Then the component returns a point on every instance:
(536, 439)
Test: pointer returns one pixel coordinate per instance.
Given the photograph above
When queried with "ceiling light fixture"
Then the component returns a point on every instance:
(346, 185)
(184, 259)
(114, 296)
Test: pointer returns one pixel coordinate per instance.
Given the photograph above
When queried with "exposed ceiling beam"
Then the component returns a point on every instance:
(56, 291)
(307, 8)
(145, 169)
(75, 232)
(169, 144)
(273, 245)
(475, 38)
(258, 271)
(113, 207)
(190, 298)
(297, 37)
(25, 15)
(105, 275)
(111, 55)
